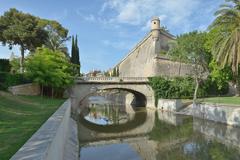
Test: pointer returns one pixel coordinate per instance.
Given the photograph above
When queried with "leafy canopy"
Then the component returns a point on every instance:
(49, 68)
(226, 42)
(18, 28)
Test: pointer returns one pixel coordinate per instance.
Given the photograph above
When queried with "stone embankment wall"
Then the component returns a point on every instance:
(219, 113)
(55, 140)
(171, 105)
(25, 89)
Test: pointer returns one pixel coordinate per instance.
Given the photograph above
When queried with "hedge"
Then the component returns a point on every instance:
(8, 79)
(183, 87)
(4, 65)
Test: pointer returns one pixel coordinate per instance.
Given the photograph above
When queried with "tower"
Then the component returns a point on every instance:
(155, 28)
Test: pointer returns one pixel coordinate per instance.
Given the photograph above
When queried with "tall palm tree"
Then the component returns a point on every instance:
(226, 47)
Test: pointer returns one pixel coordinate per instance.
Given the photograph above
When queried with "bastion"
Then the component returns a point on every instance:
(148, 58)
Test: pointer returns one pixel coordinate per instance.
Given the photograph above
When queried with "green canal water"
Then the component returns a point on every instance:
(118, 132)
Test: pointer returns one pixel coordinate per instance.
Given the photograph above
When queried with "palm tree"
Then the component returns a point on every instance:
(226, 46)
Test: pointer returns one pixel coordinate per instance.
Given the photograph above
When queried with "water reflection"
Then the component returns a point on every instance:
(107, 130)
(107, 114)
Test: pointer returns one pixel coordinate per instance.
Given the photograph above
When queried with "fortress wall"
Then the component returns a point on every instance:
(145, 60)
(139, 63)
(163, 43)
(165, 67)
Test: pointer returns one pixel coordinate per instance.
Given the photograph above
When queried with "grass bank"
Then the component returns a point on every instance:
(20, 117)
(223, 100)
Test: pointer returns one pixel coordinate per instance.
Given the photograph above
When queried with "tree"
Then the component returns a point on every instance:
(75, 59)
(190, 48)
(49, 68)
(77, 56)
(30, 32)
(177, 53)
(226, 42)
(57, 35)
(18, 28)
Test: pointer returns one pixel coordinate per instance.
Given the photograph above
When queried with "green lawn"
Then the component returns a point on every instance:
(20, 117)
(223, 100)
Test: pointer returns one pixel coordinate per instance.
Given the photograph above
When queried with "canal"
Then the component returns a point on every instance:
(110, 131)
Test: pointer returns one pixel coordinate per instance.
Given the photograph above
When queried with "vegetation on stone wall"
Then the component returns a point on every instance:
(190, 48)
(4, 65)
(184, 87)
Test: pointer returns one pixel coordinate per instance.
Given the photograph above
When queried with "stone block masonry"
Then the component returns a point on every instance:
(25, 89)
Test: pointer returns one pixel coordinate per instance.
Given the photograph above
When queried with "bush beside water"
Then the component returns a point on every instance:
(183, 88)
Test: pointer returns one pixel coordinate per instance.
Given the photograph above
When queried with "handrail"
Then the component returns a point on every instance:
(113, 79)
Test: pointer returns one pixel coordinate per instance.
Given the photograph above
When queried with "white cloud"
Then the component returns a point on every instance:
(175, 13)
(90, 18)
(117, 44)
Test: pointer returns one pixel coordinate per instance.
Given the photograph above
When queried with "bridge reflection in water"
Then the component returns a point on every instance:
(122, 132)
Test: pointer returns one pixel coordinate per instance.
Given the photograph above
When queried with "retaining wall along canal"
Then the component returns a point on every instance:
(218, 113)
(55, 140)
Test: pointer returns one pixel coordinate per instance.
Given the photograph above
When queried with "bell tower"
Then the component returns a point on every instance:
(155, 28)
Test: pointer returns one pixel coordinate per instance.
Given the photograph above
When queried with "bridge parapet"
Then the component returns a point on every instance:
(112, 79)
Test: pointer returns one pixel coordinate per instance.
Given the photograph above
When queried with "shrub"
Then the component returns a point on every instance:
(183, 87)
(4, 65)
(8, 79)
(211, 86)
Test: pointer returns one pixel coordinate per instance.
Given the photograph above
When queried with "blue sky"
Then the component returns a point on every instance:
(108, 29)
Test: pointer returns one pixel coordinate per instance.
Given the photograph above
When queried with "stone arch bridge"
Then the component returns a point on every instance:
(138, 86)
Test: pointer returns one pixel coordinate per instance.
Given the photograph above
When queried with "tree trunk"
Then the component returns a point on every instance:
(196, 90)
(52, 92)
(42, 90)
(179, 69)
(22, 60)
(238, 87)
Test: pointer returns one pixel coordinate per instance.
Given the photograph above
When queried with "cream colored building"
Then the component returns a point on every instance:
(146, 60)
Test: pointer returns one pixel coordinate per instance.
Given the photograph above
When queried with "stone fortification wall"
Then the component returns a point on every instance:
(139, 63)
(166, 67)
(145, 59)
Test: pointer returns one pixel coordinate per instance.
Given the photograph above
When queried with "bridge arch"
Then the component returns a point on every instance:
(140, 100)
(141, 90)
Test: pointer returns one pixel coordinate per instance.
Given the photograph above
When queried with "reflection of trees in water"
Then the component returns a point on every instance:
(138, 119)
(183, 143)
(111, 113)
(163, 131)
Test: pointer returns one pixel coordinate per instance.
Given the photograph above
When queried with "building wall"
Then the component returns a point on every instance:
(139, 63)
(145, 60)
(168, 68)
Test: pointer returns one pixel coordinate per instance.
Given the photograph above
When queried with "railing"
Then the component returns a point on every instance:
(113, 79)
